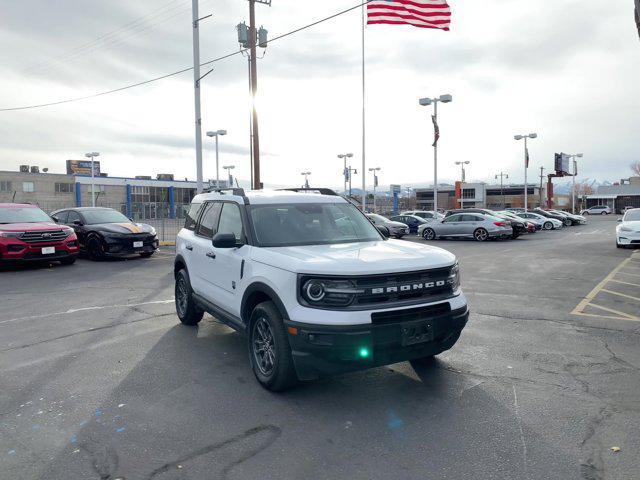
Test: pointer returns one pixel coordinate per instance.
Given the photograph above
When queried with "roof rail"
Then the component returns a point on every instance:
(234, 191)
(321, 191)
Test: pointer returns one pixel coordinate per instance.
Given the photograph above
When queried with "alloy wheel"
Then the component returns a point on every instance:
(480, 235)
(182, 296)
(264, 352)
(429, 234)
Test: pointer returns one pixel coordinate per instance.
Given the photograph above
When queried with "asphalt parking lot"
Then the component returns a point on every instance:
(98, 380)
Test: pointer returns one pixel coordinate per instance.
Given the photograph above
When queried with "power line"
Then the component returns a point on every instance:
(172, 74)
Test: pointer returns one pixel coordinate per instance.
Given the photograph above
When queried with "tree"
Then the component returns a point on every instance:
(635, 168)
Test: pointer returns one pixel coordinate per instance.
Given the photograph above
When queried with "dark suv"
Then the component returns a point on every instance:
(29, 234)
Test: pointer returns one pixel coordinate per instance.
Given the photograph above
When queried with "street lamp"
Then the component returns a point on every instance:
(217, 134)
(306, 179)
(575, 172)
(92, 156)
(228, 168)
(375, 184)
(462, 184)
(526, 164)
(345, 173)
(425, 102)
(502, 176)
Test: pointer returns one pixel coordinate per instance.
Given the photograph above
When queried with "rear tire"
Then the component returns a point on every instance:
(269, 349)
(480, 235)
(567, 222)
(429, 234)
(547, 226)
(188, 312)
(603, 213)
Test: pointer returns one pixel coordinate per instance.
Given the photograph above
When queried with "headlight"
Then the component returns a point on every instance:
(152, 231)
(454, 277)
(324, 292)
(68, 231)
(626, 229)
(10, 234)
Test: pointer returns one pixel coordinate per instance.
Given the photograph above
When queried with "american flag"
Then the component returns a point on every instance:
(422, 13)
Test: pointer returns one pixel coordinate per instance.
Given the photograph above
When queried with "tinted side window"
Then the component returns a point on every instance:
(206, 227)
(192, 216)
(230, 220)
(62, 216)
(453, 218)
(73, 216)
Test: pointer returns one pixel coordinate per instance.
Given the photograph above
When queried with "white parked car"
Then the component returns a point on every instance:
(546, 222)
(314, 285)
(428, 215)
(597, 210)
(628, 230)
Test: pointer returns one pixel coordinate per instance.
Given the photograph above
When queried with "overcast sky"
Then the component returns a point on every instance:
(568, 70)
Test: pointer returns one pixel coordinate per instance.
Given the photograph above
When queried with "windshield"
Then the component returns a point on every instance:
(23, 215)
(310, 224)
(632, 216)
(104, 216)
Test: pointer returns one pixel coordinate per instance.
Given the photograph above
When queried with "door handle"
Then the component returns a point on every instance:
(189, 247)
(211, 255)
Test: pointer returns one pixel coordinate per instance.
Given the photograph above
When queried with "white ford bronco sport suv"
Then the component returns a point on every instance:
(316, 287)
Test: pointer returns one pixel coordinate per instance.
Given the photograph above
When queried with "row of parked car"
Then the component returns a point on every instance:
(27, 233)
(477, 223)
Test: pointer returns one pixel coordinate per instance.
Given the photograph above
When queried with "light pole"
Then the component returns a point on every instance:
(92, 156)
(425, 102)
(351, 171)
(502, 176)
(467, 162)
(217, 134)
(375, 184)
(575, 172)
(306, 179)
(228, 168)
(344, 156)
(526, 165)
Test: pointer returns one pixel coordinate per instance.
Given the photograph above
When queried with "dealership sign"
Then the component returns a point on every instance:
(82, 167)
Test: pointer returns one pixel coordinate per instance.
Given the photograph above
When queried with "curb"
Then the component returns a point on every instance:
(167, 244)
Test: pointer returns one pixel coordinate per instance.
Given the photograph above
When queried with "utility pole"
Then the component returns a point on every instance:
(196, 83)
(502, 176)
(375, 185)
(541, 182)
(253, 38)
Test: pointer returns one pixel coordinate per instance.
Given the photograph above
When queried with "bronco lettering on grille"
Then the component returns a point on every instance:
(407, 288)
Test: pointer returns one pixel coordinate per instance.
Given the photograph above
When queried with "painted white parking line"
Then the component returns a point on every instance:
(625, 283)
(86, 309)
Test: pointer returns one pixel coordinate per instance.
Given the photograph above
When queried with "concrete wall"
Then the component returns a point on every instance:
(45, 194)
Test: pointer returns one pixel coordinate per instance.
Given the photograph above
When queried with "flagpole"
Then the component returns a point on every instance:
(364, 179)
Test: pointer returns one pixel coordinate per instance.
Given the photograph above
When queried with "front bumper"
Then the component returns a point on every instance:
(628, 238)
(321, 350)
(121, 246)
(14, 250)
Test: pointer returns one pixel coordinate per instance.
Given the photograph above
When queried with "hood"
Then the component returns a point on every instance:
(30, 227)
(125, 228)
(635, 225)
(364, 258)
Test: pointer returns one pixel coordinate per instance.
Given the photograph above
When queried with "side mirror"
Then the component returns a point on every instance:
(384, 231)
(77, 223)
(619, 220)
(224, 240)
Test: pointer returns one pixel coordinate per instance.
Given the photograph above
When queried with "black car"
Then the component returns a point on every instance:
(411, 221)
(106, 232)
(518, 227)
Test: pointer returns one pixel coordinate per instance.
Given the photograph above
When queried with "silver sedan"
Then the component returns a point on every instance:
(478, 226)
(396, 229)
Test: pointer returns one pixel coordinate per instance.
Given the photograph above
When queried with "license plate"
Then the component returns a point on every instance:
(416, 332)
(48, 250)
(138, 244)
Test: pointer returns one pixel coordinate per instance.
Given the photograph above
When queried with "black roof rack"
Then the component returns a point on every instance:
(234, 191)
(321, 191)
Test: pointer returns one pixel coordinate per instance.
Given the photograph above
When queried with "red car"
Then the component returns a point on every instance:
(29, 234)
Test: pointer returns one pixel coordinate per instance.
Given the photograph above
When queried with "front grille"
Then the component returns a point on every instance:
(410, 314)
(402, 287)
(43, 237)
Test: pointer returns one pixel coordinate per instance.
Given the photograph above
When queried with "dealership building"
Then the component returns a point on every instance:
(617, 196)
(140, 198)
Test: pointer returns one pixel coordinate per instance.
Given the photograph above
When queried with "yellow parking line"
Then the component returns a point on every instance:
(611, 310)
(625, 283)
(620, 294)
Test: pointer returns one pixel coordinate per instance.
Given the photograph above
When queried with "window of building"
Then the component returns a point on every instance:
(64, 187)
(5, 185)
(28, 187)
(468, 193)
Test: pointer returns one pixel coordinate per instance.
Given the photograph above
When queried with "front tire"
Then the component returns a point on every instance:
(480, 235)
(429, 234)
(68, 261)
(147, 254)
(188, 312)
(547, 226)
(269, 350)
(95, 249)
(567, 222)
